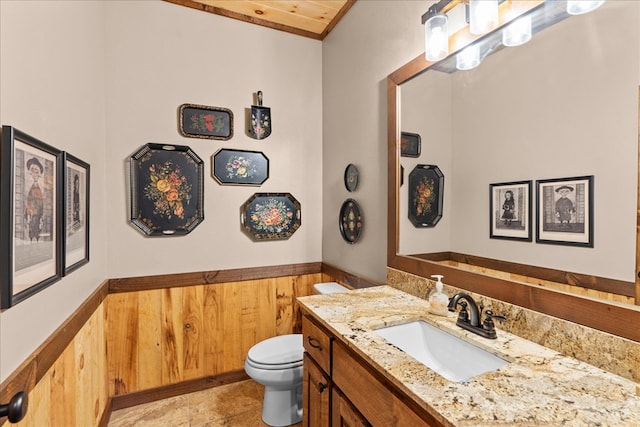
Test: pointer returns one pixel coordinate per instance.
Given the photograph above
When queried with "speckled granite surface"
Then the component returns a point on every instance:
(538, 387)
(609, 352)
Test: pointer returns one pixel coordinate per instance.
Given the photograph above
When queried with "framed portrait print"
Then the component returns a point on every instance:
(510, 210)
(565, 211)
(30, 216)
(167, 189)
(76, 213)
(410, 144)
(201, 121)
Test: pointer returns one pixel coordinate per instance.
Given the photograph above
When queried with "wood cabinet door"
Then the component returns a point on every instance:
(316, 390)
(344, 414)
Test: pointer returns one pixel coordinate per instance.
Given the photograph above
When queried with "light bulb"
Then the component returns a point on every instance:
(578, 7)
(468, 58)
(517, 32)
(436, 38)
(483, 16)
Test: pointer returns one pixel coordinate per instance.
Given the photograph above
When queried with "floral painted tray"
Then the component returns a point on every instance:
(240, 167)
(426, 194)
(270, 216)
(167, 189)
(351, 221)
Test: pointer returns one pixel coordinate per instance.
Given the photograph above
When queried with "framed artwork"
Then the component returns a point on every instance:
(270, 216)
(565, 211)
(167, 189)
(31, 212)
(351, 221)
(426, 195)
(410, 144)
(351, 177)
(240, 167)
(201, 121)
(76, 213)
(510, 210)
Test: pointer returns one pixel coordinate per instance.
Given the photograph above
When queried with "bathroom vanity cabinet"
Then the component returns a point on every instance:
(368, 381)
(341, 389)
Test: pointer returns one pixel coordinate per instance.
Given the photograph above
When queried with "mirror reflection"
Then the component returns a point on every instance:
(563, 105)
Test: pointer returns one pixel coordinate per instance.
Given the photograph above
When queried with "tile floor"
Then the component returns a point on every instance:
(232, 405)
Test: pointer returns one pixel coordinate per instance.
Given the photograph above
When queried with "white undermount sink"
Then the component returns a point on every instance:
(450, 356)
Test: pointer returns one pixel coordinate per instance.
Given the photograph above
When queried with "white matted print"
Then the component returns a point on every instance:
(565, 211)
(510, 210)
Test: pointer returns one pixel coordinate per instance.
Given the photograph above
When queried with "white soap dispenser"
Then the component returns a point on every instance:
(438, 300)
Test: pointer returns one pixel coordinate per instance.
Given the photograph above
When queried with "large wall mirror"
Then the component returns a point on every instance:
(563, 105)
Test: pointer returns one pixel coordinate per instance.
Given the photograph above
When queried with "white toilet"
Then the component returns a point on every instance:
(276, 363)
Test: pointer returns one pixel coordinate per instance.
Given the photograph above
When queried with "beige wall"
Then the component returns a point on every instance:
(160, 56)
(372, 40)
(100, 79)
(52, 87)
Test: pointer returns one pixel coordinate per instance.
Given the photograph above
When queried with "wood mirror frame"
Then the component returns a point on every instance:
(614, 318)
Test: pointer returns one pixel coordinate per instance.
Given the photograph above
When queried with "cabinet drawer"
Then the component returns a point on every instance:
(317, 343)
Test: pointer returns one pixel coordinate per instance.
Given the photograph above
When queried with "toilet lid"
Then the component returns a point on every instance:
(280, 350)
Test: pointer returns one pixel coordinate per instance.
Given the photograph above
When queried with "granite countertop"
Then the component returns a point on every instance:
(538, 387)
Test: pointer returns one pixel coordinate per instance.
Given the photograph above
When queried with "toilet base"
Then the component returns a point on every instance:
(282, 407)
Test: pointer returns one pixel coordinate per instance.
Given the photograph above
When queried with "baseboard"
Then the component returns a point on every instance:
(158, 393)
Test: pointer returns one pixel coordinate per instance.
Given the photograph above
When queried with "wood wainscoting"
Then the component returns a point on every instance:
(141, 339)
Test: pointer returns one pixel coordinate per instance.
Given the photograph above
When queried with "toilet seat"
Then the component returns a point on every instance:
(280, 352)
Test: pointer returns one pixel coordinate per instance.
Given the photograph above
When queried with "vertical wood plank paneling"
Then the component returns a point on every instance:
(285, 292)
(122, 342)
(213, 319)
(192, 330)
(63, 387)
(172, 338)
(101, 379)
(141, 340)
(150, 339)
(258, 306)
(231, 326)
(87, 386)
(39, 412)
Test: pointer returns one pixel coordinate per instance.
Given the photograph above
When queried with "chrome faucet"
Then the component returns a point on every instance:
(471, 320)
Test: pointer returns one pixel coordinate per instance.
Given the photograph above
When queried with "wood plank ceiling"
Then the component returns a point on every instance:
(308, 18)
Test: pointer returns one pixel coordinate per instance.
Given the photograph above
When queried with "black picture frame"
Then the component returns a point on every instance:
(564, 212)
(167, 189)
(410, 144)
(426, 195)
(270, 216)
(202, 121)
(76, 189)
(240, 167)
(510, 211)
(31, 211)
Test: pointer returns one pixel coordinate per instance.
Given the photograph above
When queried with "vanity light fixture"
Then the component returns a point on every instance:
(578, 7)
(516, 21)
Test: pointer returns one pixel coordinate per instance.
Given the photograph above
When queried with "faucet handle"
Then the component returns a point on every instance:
(488, 324)
(463, 316)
